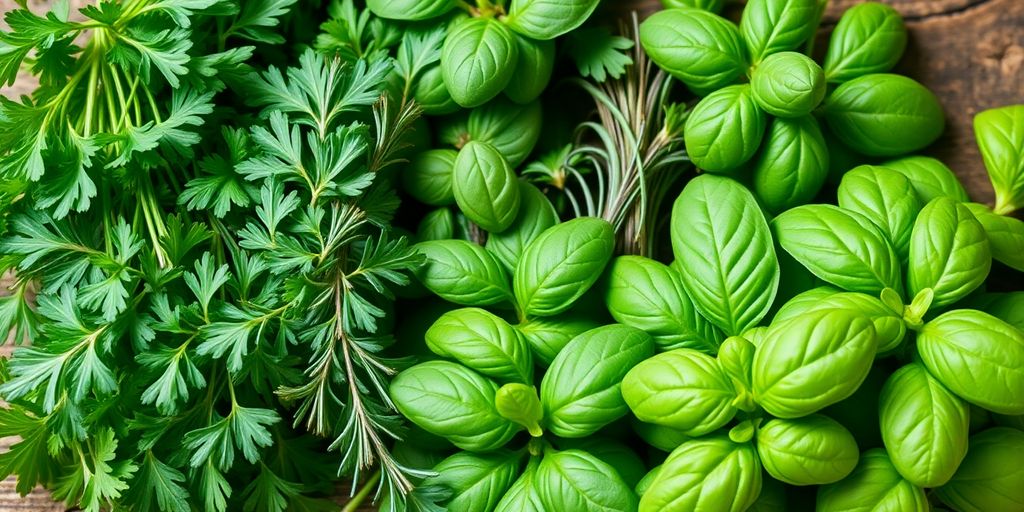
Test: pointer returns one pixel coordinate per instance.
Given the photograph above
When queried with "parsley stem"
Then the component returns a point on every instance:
(364, 491)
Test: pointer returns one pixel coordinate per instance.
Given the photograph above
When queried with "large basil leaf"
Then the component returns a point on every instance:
(646, 481)
(454, 402)
(792, 164)
(949, 252)
(708, 5)
(512, 129)
(561, 264)
(814, 450)
(977, 356)
(436, 225)
(535, 215)
(929, 177)
(533, 72)
(463, 273)
(924, 426)
(702, 49)
(887, 198)
(649, 295)
(711, 472)
(724, 251)
(483, 342)
(874, 485)
(771, 26)
(841, 247)
(1005, 235)
(629, 466)
(428, 177)
(576, 480)
(548, 19)
(991, 477)
(884, 115)
(804, 301)
(724, 130)
(889, 325)
(485, 188)
(788, 84)
(581, 391)
(410, 9)
(1000, 135)
(683, 389)
(812, 361)
(477, 480)
(869, 38)
(522, 496)
(477, 60)
(431, 94)
(548, 336)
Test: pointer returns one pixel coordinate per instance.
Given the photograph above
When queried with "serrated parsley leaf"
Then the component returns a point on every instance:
(245, 428)
(158, 487)
(96, 479)
(598, 53)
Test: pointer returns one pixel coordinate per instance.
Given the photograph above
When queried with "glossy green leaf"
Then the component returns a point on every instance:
(724, 130)
(1005, 235)
(949, 252)
(1008, 307)
(874, 485)
(788, 84)
(482, 342)
(890, 327)
(463, 273)
(772, 26)
(439, 224)
(431, 94)
(629, 466)
(712, 472)
(485, 188)
(885, 197)
(536, 214)
(660, 437)
(991, 478)
(519, 403)
(410, 9)
(477, 481)
(792, 164)
(548, 19)
(1000, 135)
(548, 336)
(428, 177)
(869, 38)
(700, 48)
(523, 496)
(714, 6)
(929, 177)
(533, 71)
(813, 450)
(512, 129)
(477, 60)
(576, 480)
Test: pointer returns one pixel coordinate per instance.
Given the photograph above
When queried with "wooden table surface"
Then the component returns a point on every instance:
(969, 52)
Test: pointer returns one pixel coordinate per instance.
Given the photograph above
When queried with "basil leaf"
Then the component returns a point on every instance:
(454, 402)
(660, 437)
(483, 342)
(535, 215)
(581, 390)
(512, 129)
(714, 6)
(772, 26)
(977, 356)
(439, 224)
(548, 19)
(813, 450)
(626, 462)
(561, 264)
(701, 49)
(576, 480)
(889, 325)
(803, 302)
(724, 130)
(682, 389)
(929, 177)
(841, 247)
(792, 164)
(1008, 307)
(519, 403)
(1000, 135)
(725, 252)
(533, 71)
(991, 476)
(949, 252)
(885, 197)
(547, 336)
(645, 482)
(711, 470)
(788, 84)
(410, 9)
(431, 94)
(884, 115)
(736, 357)
(523, 495)
(1005, 235)
(924, 426)
(873, 485)
(649, 295)
(477, 60)
(428, 177)
(477, 480)
(869, 38)
(485, 188)
(463, 273)
(812, 361)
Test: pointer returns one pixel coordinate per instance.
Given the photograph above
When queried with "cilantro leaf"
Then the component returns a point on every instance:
(598, 53)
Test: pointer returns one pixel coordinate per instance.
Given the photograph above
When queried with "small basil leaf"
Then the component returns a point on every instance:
(732, 283)
(682, 389)
(792, 164)
(431, 94)
(649, 295)
(1005, 235)
(869, 38)
(701, 49)
(439, 224)
(533, 72)
(841, 247)
(548, 19)
(535, 215)
(772, 26)
(463, 273)
(814, 450)
(924, 426)
(736, 356)
(884, 115)
(561, 264)
(724, 130)
(428, 177)
(812, 361)
(477, 480)
(788, 84)
(454, 402)
(410, 9)
(991, 476)
(485, 188)
(477, 60)
(581, 391)
(548, 336)
(512, 129)
(949, 252)
(519, 403)
(711, 470)
(930, 178)
(1000, 135)
(874, 485)
(977, 356)
(885, 197)
(483, 342)
(578, 481)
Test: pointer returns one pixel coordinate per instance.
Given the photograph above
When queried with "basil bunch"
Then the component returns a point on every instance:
(771, 124)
